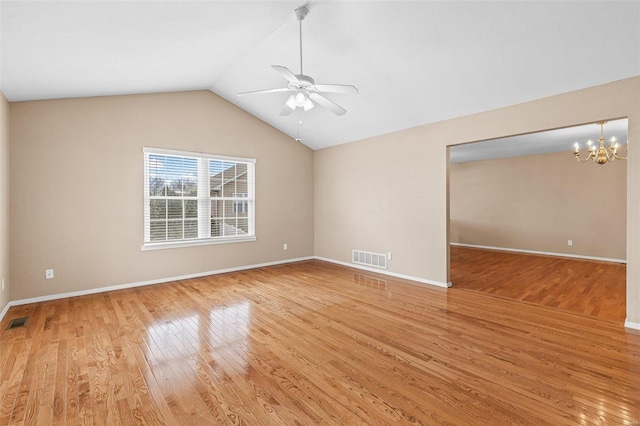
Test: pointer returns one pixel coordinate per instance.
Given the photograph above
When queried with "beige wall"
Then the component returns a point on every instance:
(4, 200)
(373, 195)
(389, 193)
(76, 188)
(538, 202)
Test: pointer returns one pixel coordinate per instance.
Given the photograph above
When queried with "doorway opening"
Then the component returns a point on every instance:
(528, 222)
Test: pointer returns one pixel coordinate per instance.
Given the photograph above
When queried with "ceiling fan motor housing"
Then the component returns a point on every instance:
(304, 83)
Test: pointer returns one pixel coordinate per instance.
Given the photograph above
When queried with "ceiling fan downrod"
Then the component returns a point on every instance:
(301, 12)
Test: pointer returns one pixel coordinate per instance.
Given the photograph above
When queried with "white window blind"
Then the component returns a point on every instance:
(193, 198)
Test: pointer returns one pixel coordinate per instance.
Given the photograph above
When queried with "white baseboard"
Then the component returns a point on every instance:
(143, 283)
(385, 272)
(5, 310)
(545, 253)
(627, 324)
(633, 325)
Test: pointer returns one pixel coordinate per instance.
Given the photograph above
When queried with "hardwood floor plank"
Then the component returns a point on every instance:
(583, 286)
(313, 342)
(70, 399)
(27, 389)
(184, 405)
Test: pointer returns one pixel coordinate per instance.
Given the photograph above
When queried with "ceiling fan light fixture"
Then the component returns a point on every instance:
(291, 102)
(308, 104)
(300, 99)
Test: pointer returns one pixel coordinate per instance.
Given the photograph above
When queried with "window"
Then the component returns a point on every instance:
(193, 198)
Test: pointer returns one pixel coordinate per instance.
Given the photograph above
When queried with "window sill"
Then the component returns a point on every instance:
(192, 243)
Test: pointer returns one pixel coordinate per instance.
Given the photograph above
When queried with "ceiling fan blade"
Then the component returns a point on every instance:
(285, 110)
(253, 92)
(286, 73)
(337, 88)
(328, 104)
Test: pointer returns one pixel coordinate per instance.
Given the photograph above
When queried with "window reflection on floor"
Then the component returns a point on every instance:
(229, 336)
(219, 340)
(373, 284)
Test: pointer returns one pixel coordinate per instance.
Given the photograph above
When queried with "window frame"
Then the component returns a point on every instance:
(204, 200)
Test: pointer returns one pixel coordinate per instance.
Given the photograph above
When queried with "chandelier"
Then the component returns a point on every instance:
(600, 154)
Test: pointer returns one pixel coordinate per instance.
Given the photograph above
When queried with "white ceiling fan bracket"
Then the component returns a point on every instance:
(301, 12)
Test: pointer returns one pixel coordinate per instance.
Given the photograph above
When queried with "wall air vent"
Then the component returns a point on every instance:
(370, 259)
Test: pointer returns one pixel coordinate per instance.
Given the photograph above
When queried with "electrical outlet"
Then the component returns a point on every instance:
(48, 274)
(389, 255)
(285, 246)
(569, 242)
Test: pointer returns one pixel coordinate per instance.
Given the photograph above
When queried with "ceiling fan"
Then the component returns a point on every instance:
(305, 93)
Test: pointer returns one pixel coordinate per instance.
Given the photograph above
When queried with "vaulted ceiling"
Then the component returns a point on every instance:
(414, 62)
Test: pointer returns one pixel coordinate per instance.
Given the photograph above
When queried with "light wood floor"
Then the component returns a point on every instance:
(313, 342)
(583, 286)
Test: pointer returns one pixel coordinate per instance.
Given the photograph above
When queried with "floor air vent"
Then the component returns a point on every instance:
(18, 322)
(370, 259)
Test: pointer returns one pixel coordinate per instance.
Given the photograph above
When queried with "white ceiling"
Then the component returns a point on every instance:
(415, 62)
